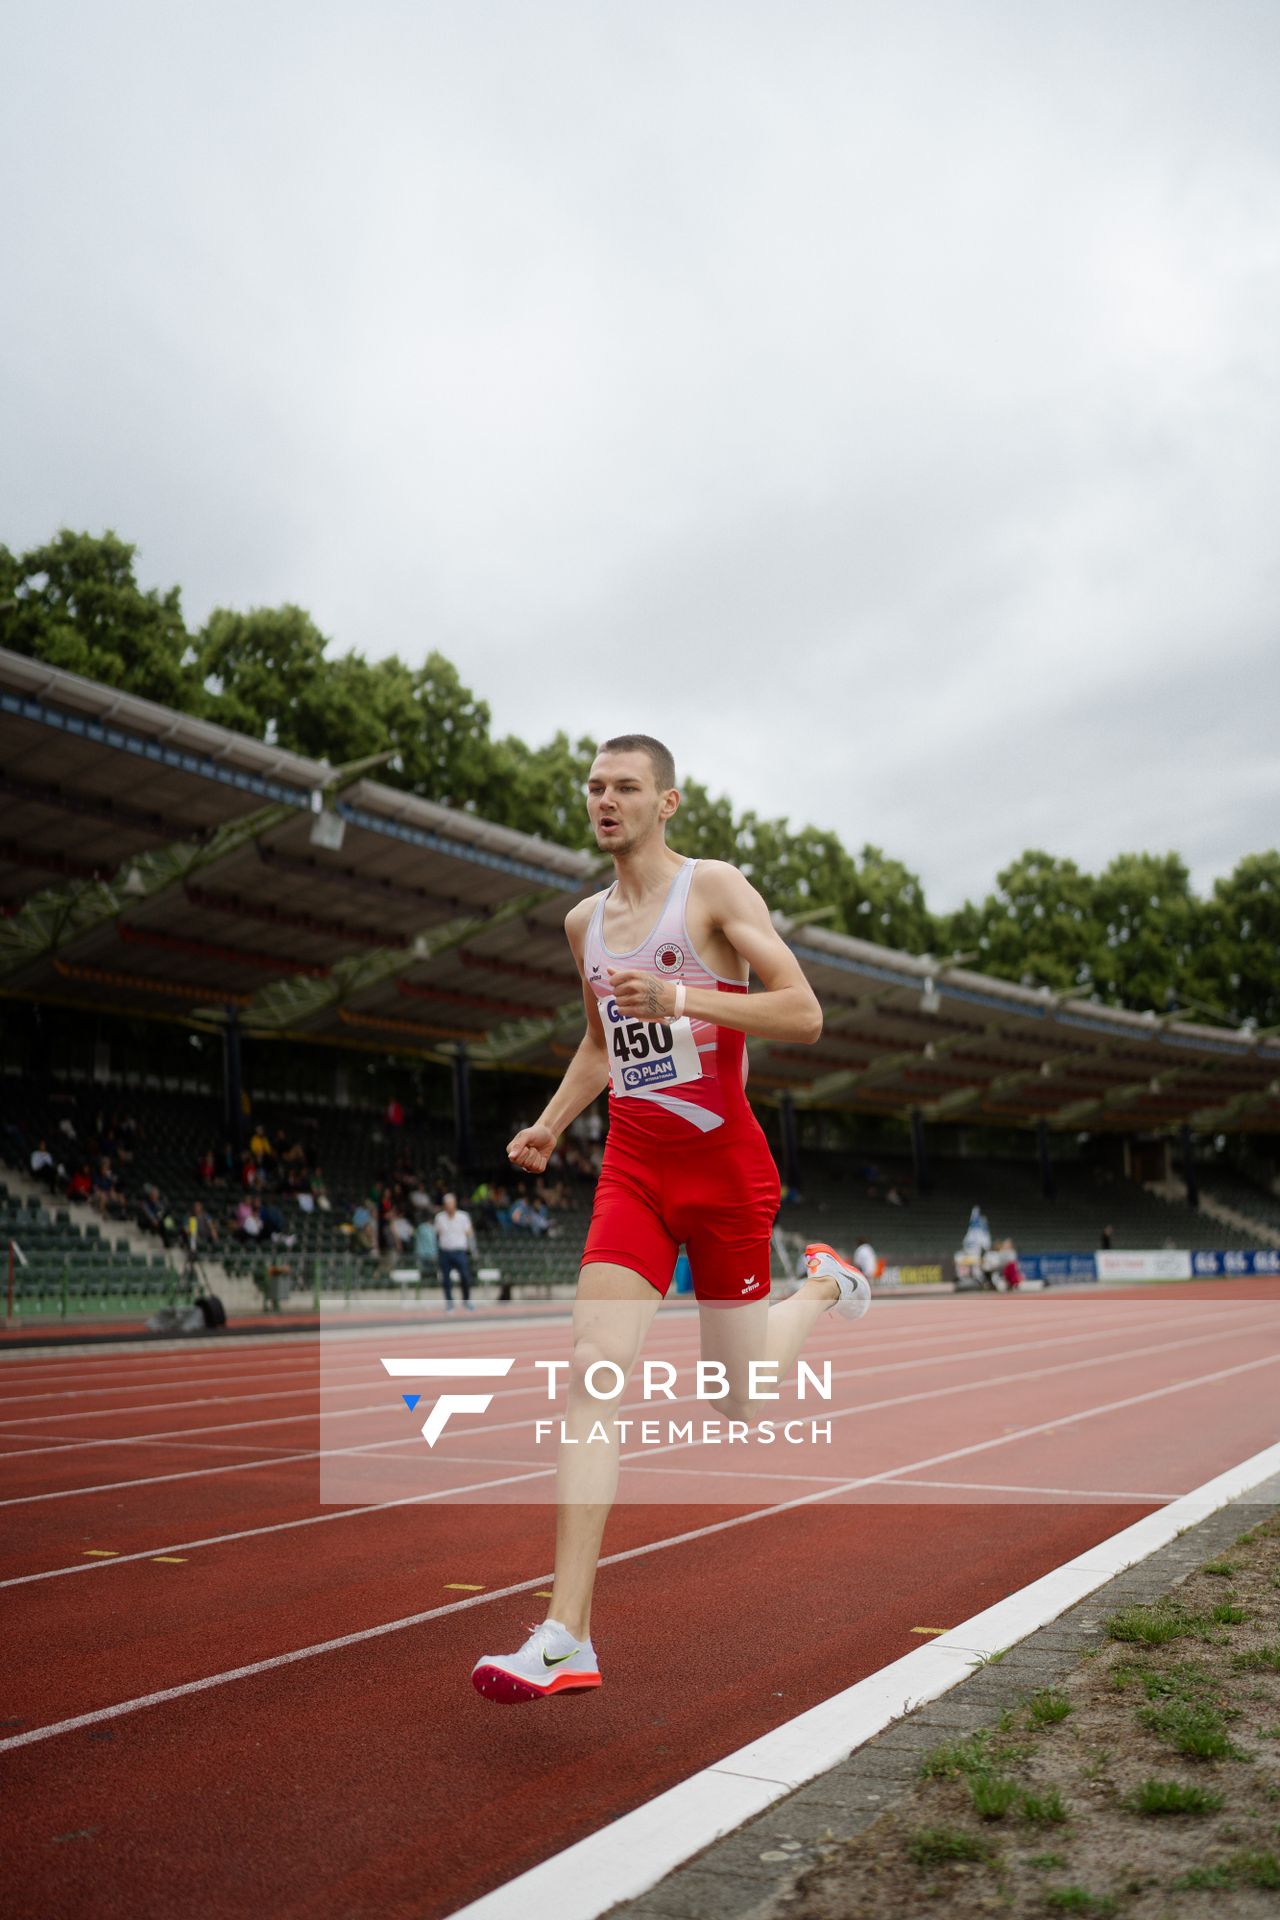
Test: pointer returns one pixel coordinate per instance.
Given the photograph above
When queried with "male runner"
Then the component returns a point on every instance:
(664, 956)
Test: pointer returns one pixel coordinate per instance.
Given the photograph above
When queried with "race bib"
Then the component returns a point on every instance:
(648, 1053)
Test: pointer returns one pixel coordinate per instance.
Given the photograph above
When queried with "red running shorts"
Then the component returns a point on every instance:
(719, 1198)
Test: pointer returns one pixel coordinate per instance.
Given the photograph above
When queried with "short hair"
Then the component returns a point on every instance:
(660, 757)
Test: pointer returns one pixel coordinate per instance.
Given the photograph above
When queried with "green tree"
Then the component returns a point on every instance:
(1150, 921)
(887, 905)
(1040, 925)
(543, 790)
(1235, 968)
(704, 827)
(75, 603)
(267, 673)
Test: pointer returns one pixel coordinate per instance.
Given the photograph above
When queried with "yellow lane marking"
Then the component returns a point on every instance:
(168, 1559)
(930, 1629)
(460, 1586)
(101, 1553)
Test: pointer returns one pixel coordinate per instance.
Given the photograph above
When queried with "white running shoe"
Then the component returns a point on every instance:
(855, 1291)
(550, 1661)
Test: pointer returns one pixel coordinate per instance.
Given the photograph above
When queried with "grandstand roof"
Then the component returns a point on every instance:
(150, 862)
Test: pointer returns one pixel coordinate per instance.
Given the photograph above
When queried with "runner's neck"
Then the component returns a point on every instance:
(645, 875)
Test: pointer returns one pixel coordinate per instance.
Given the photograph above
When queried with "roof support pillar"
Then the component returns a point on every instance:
(233, 1081)
(1189, 1166)
(462, 1109)
(1046, 1159)
(919, 1152)
(790, 1141)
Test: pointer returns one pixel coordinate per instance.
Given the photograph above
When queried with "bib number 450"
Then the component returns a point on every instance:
(640, 1040)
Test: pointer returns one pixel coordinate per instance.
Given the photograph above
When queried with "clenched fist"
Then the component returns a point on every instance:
(532, 1148)
(643, 996)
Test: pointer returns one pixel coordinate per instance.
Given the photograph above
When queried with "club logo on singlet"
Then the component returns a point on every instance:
(669, 959)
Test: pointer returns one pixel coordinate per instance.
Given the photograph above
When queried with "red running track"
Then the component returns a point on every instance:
(368, 1777)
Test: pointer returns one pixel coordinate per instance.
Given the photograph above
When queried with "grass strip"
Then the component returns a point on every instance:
(1158, 1797)
(933, 1846)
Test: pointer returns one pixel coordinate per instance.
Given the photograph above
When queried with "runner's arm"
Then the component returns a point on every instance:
(585, 1078)
(787, 1008)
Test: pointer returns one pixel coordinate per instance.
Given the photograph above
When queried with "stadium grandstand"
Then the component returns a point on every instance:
(206, 941)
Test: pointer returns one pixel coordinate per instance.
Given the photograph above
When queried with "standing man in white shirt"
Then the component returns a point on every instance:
(456, 1239)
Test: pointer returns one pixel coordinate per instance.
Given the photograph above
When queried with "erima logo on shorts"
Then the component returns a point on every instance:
(428, 1369)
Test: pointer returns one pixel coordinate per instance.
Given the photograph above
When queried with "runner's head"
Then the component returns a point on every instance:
(631, 792)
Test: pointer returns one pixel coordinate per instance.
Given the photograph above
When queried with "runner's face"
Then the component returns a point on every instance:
(623, 802)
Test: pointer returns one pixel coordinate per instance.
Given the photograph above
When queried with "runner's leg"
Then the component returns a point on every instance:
(735, 1333)
(611, 1316)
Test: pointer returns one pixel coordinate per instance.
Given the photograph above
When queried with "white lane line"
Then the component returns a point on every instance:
(63, 1445)
(632, 1854)
(1007, 1486)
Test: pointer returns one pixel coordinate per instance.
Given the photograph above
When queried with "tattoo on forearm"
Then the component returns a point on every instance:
(653, 996)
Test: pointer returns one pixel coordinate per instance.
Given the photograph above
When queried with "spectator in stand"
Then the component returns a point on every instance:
(320, 1192)
(400, 1234)
(42, 1167)
(289, 1156)
(259, 1144)
(419, 1199)
(273, 1224)
(894, 1198)
(104, 1187)
(207, 1168)
(362, 1224)
(153, 1215)
(977, 1235)
(1106, 1239)
(394, 1115)
(67, 1127)
(527, 1216)
(80, 1186)
(248, 1222)
(1007, 1265)
(201, 1233)
(456, 1239)
(426, 1247)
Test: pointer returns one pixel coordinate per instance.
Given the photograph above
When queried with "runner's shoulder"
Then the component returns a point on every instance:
(721, 881)
(578, 918)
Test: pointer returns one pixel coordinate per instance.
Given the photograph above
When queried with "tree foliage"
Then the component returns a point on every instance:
(1134, 935)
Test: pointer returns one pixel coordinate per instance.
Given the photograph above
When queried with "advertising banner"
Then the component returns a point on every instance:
(927, 1274)
(1236, 1261)
(1157, 1263)
(1056, 1269)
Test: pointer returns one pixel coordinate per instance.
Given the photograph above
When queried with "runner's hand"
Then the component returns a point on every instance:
(643, 996)
(532, 1148)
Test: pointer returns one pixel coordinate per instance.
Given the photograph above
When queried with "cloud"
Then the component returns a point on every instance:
(880, 403)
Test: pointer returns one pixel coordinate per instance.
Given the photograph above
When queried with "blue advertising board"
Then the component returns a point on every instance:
(1055, 1269)
(1236, 1261)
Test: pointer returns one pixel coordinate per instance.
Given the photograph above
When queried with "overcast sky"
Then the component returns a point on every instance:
(880, 402)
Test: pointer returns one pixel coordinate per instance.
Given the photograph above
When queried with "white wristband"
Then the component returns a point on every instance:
(679, 1006)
